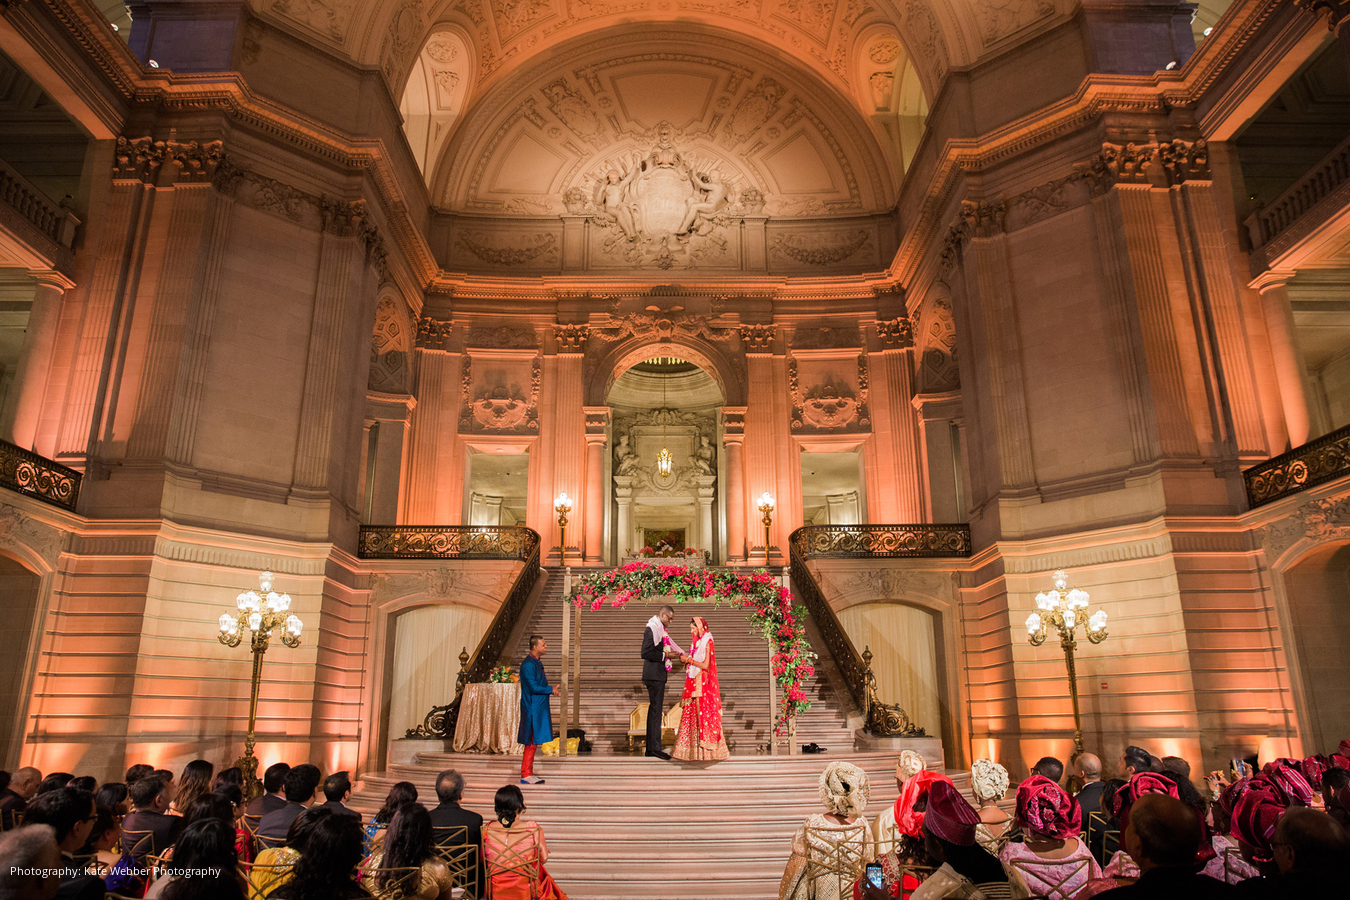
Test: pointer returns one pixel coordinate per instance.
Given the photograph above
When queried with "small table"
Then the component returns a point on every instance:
(489, 719)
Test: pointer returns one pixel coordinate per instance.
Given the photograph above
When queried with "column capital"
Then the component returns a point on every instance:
(51, 278)
(597, 424)
(1272, 278)
(733, 424)
(897, 333)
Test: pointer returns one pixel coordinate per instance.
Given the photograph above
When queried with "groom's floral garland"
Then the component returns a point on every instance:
(768, 603)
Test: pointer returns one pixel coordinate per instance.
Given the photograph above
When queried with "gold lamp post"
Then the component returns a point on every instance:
(260, 613)
(766, 507)
(1066, 610)
(562, 505)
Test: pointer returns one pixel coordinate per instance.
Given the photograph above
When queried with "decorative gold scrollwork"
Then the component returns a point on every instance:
(38, 477)
(884, 720)
(1316, 462)
(446, 542)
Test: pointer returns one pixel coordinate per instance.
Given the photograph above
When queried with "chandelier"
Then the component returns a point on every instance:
(665, 463)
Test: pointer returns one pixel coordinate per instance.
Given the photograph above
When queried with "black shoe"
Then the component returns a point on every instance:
(660, 754)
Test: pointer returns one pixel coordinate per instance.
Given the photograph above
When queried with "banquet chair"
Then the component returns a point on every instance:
(838, 853)
(461, 856)
(268, 842)
(404, 881)
(261, 879)
(520, 859)
(1056, 873)
(138, 845)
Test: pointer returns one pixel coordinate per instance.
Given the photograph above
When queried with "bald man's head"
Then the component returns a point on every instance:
(1163, 833)
(25, 781)
(1089, 767)
(1308, 841)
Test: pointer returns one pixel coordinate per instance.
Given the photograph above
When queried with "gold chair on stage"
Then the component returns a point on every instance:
(637, 725)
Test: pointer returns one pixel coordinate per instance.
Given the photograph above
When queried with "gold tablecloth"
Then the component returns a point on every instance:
(489, 719)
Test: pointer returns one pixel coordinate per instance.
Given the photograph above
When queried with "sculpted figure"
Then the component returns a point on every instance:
(664, 156)
(709, 195)
(613, 201)
(703, 456)
(625, 457)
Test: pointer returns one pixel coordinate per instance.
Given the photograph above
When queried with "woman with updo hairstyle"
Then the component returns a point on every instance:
(989, 784)
(844, 793)
(514, 852)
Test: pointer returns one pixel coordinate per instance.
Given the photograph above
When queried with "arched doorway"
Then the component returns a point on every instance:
(1317, 589)
(665, 463)
(18, 606)
(907, 656)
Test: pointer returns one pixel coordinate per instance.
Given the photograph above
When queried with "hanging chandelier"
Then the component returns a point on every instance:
(665, 463)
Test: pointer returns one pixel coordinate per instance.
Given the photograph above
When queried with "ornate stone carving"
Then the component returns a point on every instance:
(897, 332)
(884, 52)
(480, 244)
(329, 18)
(1000, 18)
(881, 83)
(17, 527)
(661, 328)
(830, 405)
(405, 27)
(502, 408)
(574, 112)
(195, 162)
(440, 582)
(755, 108)
(825, 338)
(683, 479)
(266, 194)
(340, 217)
(924, 30)
(1132, 163)
(388, 350)
(812, 253)
(503, 338)
(938, 369)
(1317, 520)
(1185, 160)
(433, 334)
(514, 16)
(758, 338)
(571, 338)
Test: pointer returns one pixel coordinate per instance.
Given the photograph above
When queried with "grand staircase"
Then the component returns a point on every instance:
(623, 826)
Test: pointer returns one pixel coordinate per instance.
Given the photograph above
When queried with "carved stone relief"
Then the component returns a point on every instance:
(938, 369)
(17, 527)
(389, 370)
(1317, 520)
(822, 250)
(497, 403)
(440, 582)
(329, 18)
(503, 338)
(1000, 18)
(830, 402)
(700, 461)
(512, 250)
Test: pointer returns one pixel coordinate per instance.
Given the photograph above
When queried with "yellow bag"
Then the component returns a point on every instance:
(551, 748)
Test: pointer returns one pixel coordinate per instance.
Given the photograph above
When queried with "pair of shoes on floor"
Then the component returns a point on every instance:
(659, 754)
(533, 779)
(812, 747)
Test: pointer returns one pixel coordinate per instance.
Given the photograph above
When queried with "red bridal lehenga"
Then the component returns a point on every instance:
(700, 736)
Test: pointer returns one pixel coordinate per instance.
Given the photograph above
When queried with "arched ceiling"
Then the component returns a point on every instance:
(596, 105)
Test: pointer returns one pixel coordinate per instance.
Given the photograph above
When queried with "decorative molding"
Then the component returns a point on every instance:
(1317, 520)
(142, 159)
(532, 247)
(433, 334)
(733, 423)
(1002, 18)
(661, 327)
(267, 194)
(571, 338)
(809, 251)
(19, 528)
(758, 338)
(897, 334)
(501, 409)
(827, 338)
(860, 541)
(1337, 10)
(892, 583)
(447, 582)
(503, 337)
(829, 406)
(446, 542)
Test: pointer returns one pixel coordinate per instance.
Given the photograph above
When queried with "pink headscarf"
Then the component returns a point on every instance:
(1047, 808)
(1312, 769)
(1254, 820)
(1286, 783)
(1140, 783)
(907, 820)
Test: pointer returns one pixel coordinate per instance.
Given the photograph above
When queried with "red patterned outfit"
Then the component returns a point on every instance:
(700, 736)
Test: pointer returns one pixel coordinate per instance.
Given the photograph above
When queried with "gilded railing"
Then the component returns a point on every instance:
(38, 477)
(855, 542)
(884, 541)
(440, 722)
(1314, 463)
(447, 542)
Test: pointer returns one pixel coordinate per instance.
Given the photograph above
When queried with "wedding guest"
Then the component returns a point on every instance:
(23, 785)
(1177, 766)
(949, 831)
(1110, 834)
(195, 782)
(1134, 760)
(1221, 811)
(71, 815)
(54, 781)
(327, 863)
(1206, 857)
(276, 865)
(136, 772)
(400, 792)
(243, 838)
(1123, 869)
(884, 831)
(204, 868)
(29, 863)
(97, 851)
(449, 817)
(113, 794)
(271, 799)
(511, 844)
(1049, 767)
(300, 786)
(1052, 860)
(989, 784)
(408, 845)
(1310, 850)
(1088, 769)
(1336, 794)
(337, 790)
(1255, 816)
(1163, 836)
(87, 783)
(231, 775)
(147, 826)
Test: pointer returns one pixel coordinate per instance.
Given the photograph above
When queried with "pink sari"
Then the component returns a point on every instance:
(700, 736)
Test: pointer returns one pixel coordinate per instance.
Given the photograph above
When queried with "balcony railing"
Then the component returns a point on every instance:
(1316, 462)
(38, 477)
(886, 541)
(36, 208)
(447, 542)
(1326, 178)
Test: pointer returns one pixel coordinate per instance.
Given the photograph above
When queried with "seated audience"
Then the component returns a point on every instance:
(195, 782)
(1177, 766)
(1049, 767)
(408, 845)
(989, 784)
(843, 790)
(1206, 857)
(1163, 835)
(233, 775)
(448, 818)
(1134, 760)
(23, 785)
(114, 795)
(1122, 869)
(1052, 860)
(400, 792)
(1109, 826)
(300, 786)
(148, 827)
(275, 865)
(884, 831)
(29, 863)
(243, 839)
(87, 783)
(514, 850)
(327, 863)
(1336, 794)
(337, 789)
(97, 854)
(204, 867)
(909, 851)
(54, 781)
(136, 772)
(271, 799)
(71, 815)
(1221, 811)
(1311, 853)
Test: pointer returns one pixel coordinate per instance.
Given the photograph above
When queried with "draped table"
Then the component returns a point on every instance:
(489, 719)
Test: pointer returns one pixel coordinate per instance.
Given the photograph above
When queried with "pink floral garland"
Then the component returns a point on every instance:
(768, 603)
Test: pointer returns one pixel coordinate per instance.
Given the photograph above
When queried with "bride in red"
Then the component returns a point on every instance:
(700, 736)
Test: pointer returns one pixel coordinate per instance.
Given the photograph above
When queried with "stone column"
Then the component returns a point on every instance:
(623, 494)
(705, 489)
(1274, 288)
(593, 512)
(733, 435)
(893, 408)
(35, 359)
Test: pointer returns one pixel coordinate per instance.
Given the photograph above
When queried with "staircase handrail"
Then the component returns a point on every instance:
(25, 472)
(441, 721)
(447, 542)
(855, 542)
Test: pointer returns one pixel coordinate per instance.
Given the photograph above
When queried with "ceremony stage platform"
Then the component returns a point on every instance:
(622, 827)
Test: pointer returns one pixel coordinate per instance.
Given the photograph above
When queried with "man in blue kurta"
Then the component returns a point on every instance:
(536, 725)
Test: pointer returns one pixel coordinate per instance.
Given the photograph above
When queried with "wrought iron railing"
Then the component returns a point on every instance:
(885, 541)
(38, 477)
(447, 542)
(1316, 462)
(857, 542)
(440, 722)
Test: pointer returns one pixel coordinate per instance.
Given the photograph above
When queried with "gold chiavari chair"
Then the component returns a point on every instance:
(1056, 874)
(519, 858)
(138, 845)
(263, 878)
(461, 856)
(838, 853)
(401, 881)
(373, 837)
(11, 819)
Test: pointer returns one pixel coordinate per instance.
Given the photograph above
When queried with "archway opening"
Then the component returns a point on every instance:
(1318, 587)
(906, 645)
(18, 606)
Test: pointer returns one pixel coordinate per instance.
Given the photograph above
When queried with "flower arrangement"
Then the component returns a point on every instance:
(503, 675)
(768, 603)
(664, 549)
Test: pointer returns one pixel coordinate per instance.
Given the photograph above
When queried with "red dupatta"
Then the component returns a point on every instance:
(703, 686)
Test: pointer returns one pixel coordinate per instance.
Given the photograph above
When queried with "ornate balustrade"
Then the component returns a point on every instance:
(1316, 462)
(440, 722)
(1329, 177)
(447, 542)
(35, 207)
(871, 542)
(881, 541)
(38, 477)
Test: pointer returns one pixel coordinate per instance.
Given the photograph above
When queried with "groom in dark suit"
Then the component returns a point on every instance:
(655, 652)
